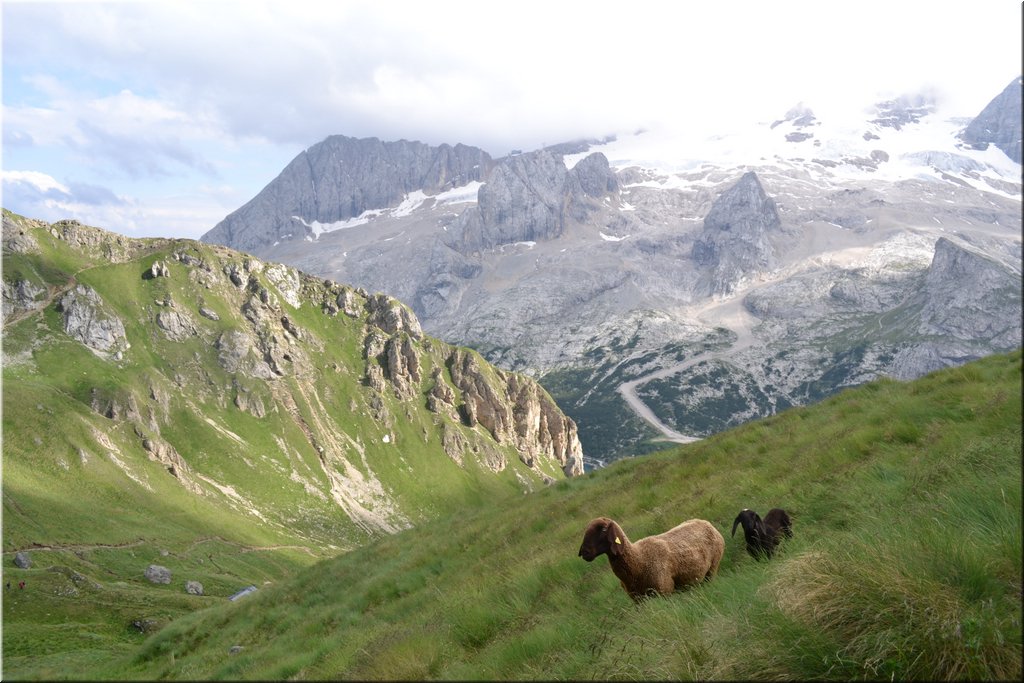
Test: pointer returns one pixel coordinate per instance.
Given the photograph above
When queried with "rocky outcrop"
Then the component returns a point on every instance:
(515, 409)
(522, 201)
(512, 408)
(402, 361)
(903, 110)
(392, 316)
(88, 320)
(22, 295)
(596, 178)
(100, 244)
(966, 295)
(999, 123)
(164, 453)
(156, 573)
(530, 198)
(237, 352)
(287, 281)
(177, 326)
(735, 241)
(17, 235)
(340, 178)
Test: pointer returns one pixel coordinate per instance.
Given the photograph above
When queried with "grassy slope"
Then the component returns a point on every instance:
(906, 563)
(92, 529)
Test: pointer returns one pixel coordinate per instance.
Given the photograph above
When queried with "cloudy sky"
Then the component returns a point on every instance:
(160, 118)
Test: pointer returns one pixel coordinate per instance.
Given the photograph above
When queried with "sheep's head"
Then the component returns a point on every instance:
(759, 541)
(603, 535)
(753, 527)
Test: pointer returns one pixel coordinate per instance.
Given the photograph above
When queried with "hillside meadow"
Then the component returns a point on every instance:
(905, 564)
(165, 454)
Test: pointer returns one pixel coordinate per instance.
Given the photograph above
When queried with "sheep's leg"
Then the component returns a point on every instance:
(713, 570)
(664, 585)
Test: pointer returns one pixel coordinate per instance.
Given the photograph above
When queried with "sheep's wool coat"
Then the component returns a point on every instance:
(678, 558)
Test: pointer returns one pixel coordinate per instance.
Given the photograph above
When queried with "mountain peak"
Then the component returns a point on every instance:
(999, 123)
(735, 241)
(340, 178)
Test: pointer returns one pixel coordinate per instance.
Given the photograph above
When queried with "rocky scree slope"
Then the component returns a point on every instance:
(669, 290)
(179, 371)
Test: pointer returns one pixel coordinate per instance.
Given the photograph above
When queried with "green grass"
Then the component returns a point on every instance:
(906, 564)
(255, 500)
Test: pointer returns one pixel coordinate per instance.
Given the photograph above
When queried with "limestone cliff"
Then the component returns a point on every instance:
(340, 178)
(735, 242)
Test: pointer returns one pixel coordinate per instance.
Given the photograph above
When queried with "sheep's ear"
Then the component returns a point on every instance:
(614, 539)
(735, 523)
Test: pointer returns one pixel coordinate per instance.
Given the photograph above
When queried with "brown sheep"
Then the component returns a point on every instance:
(656, 565)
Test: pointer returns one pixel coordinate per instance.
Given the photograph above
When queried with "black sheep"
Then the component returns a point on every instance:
(763, 535)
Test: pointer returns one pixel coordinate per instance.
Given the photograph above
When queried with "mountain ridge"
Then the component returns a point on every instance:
(547, 279)
(186, 355)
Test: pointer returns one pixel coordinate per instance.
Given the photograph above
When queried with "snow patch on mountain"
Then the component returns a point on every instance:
(924, 147)
(410, 203)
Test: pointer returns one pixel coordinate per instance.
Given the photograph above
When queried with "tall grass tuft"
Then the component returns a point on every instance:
(932, 595)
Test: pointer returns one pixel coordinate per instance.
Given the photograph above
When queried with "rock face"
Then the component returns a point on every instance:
(340, 178)
(512, 408)
(88, 320)
(529, 198)
(999, 123)
(522, 414)
(735, 242)
(965, 294)
(176, 325)
(20, 296)
(965, 298)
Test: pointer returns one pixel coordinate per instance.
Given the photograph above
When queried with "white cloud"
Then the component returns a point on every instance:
(296, 72)
(40, 182)
(129, 92)
(38, 195)
(139, 135)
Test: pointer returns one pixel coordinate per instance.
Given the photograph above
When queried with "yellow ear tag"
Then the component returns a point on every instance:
(617, 540)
